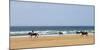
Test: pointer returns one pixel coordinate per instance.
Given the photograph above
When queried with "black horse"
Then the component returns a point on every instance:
(82, 33)
(33, 34)
(60, 33)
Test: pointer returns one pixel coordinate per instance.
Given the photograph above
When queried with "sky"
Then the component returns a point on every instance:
(46, 14)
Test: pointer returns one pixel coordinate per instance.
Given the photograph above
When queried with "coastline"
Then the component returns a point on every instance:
(44, 35)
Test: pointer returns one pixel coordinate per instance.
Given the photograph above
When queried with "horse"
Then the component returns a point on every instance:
(60, 33)
(82, 33)
(33, 34)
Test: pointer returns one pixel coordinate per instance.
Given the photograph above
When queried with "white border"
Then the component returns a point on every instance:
(4, 25)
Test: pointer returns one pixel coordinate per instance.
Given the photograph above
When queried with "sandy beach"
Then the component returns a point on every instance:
(50, 41)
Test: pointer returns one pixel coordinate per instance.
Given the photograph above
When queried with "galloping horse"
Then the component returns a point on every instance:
(60, 33)
(82, 33)
(33, 34)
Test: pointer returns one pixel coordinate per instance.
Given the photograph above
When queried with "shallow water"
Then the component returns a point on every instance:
(49, 30)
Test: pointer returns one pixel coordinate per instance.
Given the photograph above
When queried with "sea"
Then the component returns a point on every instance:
(49, 30)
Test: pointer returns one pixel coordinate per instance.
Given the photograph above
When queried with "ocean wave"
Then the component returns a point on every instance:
(48, 32)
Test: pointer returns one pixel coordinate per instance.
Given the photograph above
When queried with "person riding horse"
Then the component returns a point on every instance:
(33, 34)
(82, 33)
(32, 31)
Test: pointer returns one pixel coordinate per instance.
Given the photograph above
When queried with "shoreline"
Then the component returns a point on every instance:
(45, 35)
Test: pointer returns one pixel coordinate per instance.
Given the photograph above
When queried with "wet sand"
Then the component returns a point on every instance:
(50, 41)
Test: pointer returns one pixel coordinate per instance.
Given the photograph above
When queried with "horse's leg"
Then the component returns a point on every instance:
(31, 36)
(87, 34)
(82, 34)
(36, 36)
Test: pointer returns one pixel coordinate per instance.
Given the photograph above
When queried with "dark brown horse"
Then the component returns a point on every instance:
(33, 34)
(60, 33)
(82, 33)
